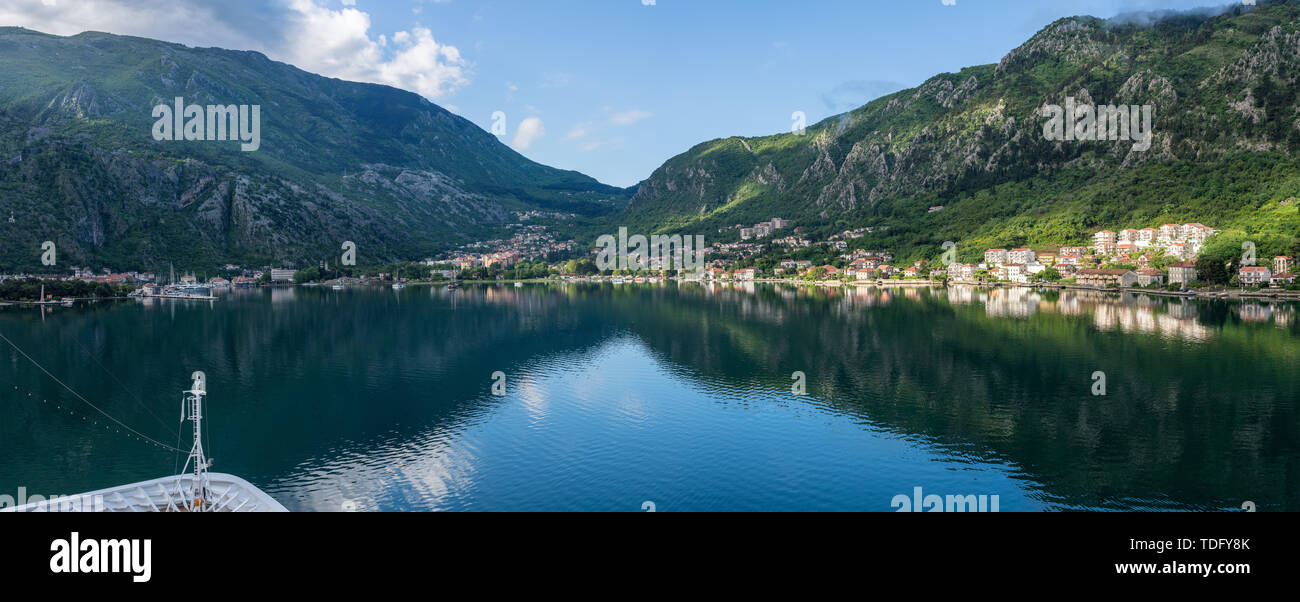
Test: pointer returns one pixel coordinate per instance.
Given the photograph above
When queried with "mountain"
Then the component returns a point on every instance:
(338, 161)
(1223, 89)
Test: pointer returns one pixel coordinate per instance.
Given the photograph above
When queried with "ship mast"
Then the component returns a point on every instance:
(192, 409)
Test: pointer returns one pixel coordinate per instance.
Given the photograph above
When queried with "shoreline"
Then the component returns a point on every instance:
(4, 302)
(1281, 295)
(1204, 295)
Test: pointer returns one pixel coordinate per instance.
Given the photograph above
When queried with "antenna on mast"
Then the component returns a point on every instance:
(193, 406)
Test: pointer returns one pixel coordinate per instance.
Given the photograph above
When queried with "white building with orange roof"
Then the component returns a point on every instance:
(1021, 256)
(1195, 232)
(1169, 233)
(1104, 242)
(1254, 275)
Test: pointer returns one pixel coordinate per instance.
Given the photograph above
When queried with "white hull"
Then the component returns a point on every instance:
(226, 493)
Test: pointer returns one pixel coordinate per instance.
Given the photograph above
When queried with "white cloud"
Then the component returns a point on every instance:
(579, 131)
(529, 130)
(200, 22)
(337, 43)
(556, 80)
(629, 117)
(334, 43)
(592, 145)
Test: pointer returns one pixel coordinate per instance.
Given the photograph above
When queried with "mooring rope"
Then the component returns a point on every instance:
(110, 417)
(124, 388)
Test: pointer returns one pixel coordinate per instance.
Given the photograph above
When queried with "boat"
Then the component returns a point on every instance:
(67, 301)
(194, 288)
(338, 287)
(397, 286)
(187, 291)
(519, 285)
(195, 490)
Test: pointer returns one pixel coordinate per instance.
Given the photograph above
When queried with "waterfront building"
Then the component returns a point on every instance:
(1149, 276)
(1254, 275)
(1182, 272)
(1107, 278)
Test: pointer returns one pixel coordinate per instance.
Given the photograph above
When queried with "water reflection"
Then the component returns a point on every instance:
(682, 394)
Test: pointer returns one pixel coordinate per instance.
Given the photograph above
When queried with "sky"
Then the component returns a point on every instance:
(611, 88)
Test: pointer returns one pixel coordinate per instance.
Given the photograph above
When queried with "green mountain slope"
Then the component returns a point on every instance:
(1226, 137)
(387, 169)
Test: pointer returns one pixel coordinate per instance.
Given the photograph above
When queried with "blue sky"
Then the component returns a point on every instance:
(611, 88)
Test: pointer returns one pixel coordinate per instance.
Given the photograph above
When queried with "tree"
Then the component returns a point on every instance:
(311, 274)
(1212, 270)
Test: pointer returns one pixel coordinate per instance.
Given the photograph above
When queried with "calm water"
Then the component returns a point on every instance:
(616, 396)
